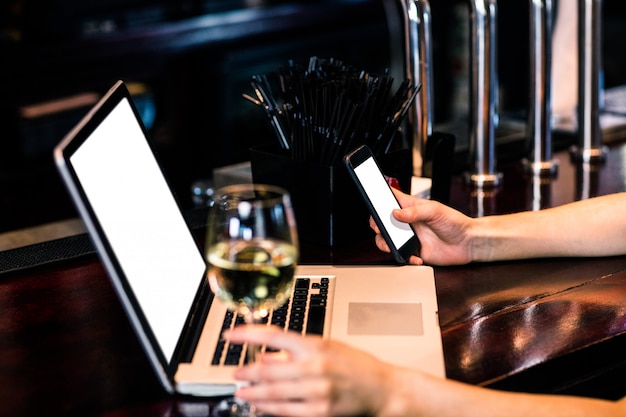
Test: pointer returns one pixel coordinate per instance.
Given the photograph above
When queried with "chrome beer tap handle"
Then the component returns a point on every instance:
(539, 129)
(589, 148)
(484, 85)
(418, 69)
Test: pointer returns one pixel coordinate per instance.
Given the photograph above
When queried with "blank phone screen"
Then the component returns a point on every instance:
(383, 200)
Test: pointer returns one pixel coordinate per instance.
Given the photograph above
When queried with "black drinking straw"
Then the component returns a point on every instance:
(260, 86)
(329, 108)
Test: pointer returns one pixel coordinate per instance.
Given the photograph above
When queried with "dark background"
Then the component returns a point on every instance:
(193, 59)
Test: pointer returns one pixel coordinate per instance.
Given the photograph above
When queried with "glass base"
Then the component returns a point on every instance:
(233, 407)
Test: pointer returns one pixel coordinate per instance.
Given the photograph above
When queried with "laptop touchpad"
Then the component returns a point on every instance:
(392, 319)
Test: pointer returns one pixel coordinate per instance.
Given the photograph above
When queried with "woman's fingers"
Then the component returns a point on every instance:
(295, 389)
(293, 408)
(273, 337)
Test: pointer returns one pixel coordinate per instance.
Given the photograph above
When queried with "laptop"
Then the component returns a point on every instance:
(158, 269)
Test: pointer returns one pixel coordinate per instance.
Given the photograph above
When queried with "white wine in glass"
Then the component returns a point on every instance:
(252, 252)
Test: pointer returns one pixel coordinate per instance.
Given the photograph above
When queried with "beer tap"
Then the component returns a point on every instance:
(589, 148)
(418, 67)
(484, 84)
(539, 126)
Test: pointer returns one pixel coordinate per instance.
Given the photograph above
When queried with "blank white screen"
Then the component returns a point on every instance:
(142, 222)
(383, 200)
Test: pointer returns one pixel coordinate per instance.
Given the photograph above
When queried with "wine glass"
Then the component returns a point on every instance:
(252, 252)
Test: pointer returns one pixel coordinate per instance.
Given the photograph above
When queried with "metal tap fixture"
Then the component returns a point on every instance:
(589, 148)
(418, 59)
(539, 113)
(484, 85)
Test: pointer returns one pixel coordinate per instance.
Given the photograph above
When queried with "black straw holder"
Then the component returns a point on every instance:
(328, 208)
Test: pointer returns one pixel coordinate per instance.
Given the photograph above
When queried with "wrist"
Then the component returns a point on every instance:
(400, 394)
(511, 236)
(485, 236)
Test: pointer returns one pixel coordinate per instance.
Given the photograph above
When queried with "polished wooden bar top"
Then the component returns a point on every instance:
(544, 325)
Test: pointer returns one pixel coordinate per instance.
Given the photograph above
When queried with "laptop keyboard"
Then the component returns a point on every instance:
(304, 312)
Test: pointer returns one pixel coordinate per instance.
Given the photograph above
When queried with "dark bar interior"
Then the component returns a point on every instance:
(188, 64)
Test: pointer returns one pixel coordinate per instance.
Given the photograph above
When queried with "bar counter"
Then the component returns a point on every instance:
(544, 325)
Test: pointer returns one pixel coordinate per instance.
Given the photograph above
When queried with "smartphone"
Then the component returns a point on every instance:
(379, 197)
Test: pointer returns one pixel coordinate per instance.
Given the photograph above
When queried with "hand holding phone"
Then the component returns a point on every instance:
(377, 194)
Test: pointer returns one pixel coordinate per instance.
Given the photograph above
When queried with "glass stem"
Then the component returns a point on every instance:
(253, 350)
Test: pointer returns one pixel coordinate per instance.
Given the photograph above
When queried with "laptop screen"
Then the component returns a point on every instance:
(141, 222)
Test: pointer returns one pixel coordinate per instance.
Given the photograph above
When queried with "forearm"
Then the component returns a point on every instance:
(593, 227)
(422, 395)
